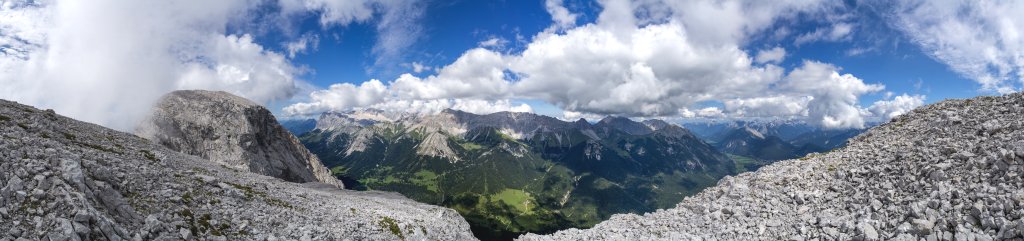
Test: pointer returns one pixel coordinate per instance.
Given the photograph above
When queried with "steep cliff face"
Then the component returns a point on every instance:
(232, 131)
(62, 179)
(947, 171)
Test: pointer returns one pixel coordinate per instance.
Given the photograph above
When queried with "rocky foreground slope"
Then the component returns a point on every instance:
(946, 171)
(233, 131)
(62, 179)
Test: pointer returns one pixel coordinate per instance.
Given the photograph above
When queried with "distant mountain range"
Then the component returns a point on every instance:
(509, 173)
(299, 126)
(770, 140)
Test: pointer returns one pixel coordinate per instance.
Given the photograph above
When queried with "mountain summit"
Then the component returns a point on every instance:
(232, 131)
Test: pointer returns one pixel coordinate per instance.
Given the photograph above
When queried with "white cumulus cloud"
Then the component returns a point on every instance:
(769, 106)
(834, 102)
(836, 32)
(982, 40)
(341, 96)
(773, 55)
(107, 61)
(654, 58)
(901, 104)
(475, 106)
(561, 16)
(305, 43)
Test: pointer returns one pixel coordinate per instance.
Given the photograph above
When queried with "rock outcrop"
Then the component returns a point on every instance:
(232, 131)
(62, 179)
(947, 171)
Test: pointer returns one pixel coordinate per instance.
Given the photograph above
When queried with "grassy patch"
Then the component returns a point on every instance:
(744, 164)
(202, 225)
(509, 138)
(248, 191)
(149, 155)
(187, 197)
(278, 202)
(4, 118)
(389, 224)
(425, 178)
(97, 147)
(519, 199)
(338, 170)
(469, 146)
(251, 194)
(29, 205)
(138, 201)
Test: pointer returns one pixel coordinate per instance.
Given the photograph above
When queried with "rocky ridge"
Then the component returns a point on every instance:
(233, 131)
(946, 171)
(62, 179)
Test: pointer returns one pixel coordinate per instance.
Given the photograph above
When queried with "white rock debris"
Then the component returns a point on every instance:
(62, 179)
(947, 171)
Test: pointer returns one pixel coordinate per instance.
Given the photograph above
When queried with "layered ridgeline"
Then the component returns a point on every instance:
(946, 171)
(769, 140)
(232, 131)
(62, 179)
(510, 173)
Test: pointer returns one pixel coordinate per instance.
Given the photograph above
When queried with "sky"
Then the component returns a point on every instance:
(836, 64)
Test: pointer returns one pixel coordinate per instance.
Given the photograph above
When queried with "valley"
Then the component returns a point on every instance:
(536, 120)
(512, 173)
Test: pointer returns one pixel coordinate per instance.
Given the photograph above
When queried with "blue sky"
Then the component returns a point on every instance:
(450, 28)
(836, 64)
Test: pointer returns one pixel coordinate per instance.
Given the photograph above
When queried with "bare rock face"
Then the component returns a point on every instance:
(234, 132)
(946, 171)
(62, 179)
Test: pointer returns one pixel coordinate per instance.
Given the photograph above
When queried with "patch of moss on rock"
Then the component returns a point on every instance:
(389, 224)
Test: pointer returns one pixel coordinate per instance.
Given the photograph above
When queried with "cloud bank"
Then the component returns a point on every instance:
(107, 61)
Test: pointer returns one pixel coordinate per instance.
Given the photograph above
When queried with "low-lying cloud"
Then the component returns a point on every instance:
(107, 61)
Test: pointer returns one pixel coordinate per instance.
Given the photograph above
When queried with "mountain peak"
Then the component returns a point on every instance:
(614, 119)
(656, 124)
(582, 122)
(354, 118)
(753, 133)
(211, 96)
(232, 131)
(625, 124)
(453, 111)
